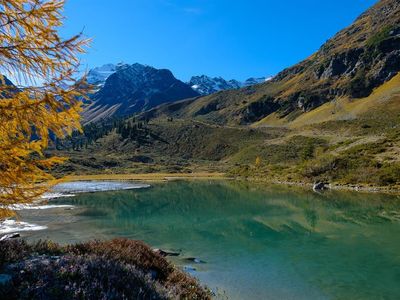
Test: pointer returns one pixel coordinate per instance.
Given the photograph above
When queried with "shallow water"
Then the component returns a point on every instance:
(257, 242)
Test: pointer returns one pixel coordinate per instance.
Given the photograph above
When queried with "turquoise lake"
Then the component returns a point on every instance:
(257, 242)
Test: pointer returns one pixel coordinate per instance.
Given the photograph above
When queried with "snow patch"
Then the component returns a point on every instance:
(10, 226)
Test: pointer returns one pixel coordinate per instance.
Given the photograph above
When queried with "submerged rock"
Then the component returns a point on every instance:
(189, 269)
(195, 260)
(165, 252)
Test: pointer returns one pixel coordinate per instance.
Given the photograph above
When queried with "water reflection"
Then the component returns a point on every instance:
(258, 241)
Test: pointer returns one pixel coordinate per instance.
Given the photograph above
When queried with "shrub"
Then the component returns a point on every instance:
(389, 174)
(81, 277)
(379, 37)
(117, 269)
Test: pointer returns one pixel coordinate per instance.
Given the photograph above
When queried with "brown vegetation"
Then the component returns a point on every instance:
(117, 269)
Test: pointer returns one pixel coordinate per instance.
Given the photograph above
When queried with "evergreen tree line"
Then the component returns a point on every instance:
(131, 129)
(127, 128)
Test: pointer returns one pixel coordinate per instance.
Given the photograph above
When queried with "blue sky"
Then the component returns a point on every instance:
(234, 39)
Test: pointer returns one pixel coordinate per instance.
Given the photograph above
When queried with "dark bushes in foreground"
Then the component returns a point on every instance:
(117, 269)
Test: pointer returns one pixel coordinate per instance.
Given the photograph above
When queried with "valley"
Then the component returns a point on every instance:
(349, 143)
(333, 117)
(164, 178)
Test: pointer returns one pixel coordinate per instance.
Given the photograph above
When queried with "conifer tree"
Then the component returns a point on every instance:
(44, 101)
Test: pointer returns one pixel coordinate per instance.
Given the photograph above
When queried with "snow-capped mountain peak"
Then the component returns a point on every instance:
(128, 89)
(206, 85)
(99, 75)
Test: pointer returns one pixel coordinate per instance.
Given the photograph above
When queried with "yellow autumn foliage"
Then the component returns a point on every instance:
(258, 162)
(45, 100)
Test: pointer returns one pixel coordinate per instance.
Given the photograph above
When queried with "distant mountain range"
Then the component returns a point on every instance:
(206, 85)
(124, 89)
(203, 84)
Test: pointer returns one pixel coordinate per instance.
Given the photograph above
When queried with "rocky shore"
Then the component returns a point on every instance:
(328, 186)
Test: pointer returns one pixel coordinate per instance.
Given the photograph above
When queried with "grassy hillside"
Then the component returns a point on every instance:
(165, 146)
(333, 117)
(356, 143)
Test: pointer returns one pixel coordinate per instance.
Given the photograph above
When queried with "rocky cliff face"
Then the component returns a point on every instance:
(134, 88)
(354, 62)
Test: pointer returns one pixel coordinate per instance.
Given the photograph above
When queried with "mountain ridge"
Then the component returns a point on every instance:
(351, 64)
(206, 85)
(122, 89)
(130, 89)
(203, 84)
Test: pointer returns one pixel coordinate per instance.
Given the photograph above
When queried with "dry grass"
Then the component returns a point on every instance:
(342, 108)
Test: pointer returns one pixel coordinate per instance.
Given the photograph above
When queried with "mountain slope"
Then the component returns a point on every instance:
(135, 88)
(350, 65)
(333, 117)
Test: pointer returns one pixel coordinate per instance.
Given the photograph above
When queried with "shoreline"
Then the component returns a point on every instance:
(165, 177)
(151, 177)
(333, 186)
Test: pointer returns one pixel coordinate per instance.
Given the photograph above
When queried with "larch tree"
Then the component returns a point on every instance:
(44, 102)
(257, 163)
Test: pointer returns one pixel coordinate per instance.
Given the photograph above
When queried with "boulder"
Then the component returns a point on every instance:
(195, 260)
(165, 253)
(319, 186)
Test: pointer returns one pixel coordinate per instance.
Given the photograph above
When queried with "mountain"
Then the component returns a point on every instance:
(98, 76)
(206, 85)
(333, 117)
(5, 81)
(351, 65)
(8, 87)
(254, 80)
(127, 89)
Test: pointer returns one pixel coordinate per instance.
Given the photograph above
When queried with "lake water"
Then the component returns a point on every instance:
(257, 242)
